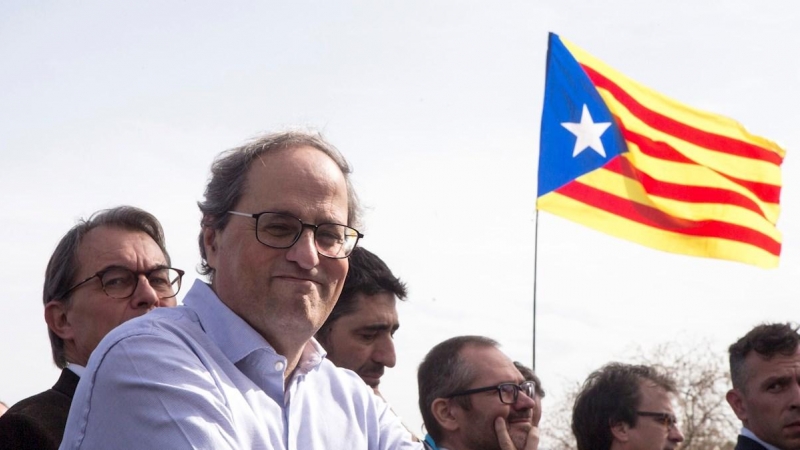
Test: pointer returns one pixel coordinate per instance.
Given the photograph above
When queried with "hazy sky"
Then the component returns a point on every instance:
(437, 107)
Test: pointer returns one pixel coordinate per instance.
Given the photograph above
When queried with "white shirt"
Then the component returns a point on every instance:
(198, 376)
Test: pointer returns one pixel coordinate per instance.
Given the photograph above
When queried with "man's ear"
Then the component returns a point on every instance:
(210, 244)
(736, 400)
(443, 413)
(55, 314)
(620, 431)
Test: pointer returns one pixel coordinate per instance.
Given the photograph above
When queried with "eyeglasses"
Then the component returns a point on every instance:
(666, 419)
(508, 392)
(121, 282)
(278, 230)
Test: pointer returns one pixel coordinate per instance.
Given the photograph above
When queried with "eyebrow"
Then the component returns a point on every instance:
(783, 379)
(379, 327)
(118, 266)
(326, 219)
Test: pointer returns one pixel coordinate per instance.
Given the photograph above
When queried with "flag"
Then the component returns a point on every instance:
(625, 160)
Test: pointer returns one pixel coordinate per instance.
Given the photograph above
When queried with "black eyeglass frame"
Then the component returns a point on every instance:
(666, 419)
(499, 388)
(146, 273)
(303, 225)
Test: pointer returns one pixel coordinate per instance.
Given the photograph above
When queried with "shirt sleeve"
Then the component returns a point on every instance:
(394, 435)
(145, 392)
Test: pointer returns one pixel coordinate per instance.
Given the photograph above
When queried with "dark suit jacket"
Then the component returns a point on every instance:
(38, 422)
(745, 443)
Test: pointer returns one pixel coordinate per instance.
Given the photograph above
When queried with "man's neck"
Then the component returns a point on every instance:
(292, 350)
(749, 434)
(452, 444)
(292, 353)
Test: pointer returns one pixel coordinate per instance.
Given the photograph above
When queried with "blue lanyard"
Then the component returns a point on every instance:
(429, 442)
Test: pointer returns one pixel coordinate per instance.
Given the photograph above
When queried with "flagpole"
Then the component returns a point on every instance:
(535, 257)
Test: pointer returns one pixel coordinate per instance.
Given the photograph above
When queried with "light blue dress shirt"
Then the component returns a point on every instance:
(199, 377)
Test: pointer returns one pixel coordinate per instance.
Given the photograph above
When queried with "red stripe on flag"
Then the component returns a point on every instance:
(655, 218)
(671, 126)
(681, 192)
(766, 192)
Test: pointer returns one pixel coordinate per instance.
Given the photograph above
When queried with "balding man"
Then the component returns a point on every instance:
(236, 366)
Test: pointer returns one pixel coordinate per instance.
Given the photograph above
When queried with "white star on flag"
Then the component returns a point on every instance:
(587, 133)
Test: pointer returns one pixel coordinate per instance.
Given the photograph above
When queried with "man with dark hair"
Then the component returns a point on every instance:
(626, 407)
(765, 371)
(237, 366)
(471, 397)
(106, 270)
(538, 394)
(359, 333)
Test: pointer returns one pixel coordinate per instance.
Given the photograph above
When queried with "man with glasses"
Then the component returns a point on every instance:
(237, 367)
(106, 270)
(765, 371)
(529, 375)
(472, 397)
(626, 407)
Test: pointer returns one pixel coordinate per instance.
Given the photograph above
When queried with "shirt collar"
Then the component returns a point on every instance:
(312, 356)
(218, 320)
(77, 369)
(749, 434)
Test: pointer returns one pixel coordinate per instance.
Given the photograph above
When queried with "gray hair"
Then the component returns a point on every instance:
(229, 174)
(443, 372)
(63, 266)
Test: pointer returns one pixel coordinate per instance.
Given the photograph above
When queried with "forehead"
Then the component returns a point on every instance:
(104, 246)
(654, 398)
(490, 366)
(380, 306)
(758, 367)
(299, 181)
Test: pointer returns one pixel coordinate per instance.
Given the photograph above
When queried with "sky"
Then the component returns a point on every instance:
(436, 105)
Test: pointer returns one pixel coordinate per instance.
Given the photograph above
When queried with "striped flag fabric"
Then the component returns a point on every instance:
(625, 160)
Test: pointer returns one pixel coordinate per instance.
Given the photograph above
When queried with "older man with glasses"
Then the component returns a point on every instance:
(237, 367)
(106, 270)
(472, 397)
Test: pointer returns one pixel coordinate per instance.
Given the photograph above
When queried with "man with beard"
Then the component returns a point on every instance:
(472, 397)
(538, 393)
(359, 333)
(765, 371)
(626, 407)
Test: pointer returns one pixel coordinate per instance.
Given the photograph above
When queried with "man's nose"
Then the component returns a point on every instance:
(384, 352)
(795, 400)
(144, 296)
(675, 434)
(524, 402)
(304, 251)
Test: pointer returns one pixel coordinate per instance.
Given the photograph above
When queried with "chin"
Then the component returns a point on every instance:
(521, 427)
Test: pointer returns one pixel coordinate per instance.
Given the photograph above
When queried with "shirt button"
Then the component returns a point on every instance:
(279, 366)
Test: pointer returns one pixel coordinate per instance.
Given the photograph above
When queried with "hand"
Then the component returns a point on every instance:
(504, 439)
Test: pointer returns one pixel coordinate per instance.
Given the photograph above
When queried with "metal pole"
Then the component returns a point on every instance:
(535, 258)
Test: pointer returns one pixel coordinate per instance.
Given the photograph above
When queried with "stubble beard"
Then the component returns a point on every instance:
(519, 437)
